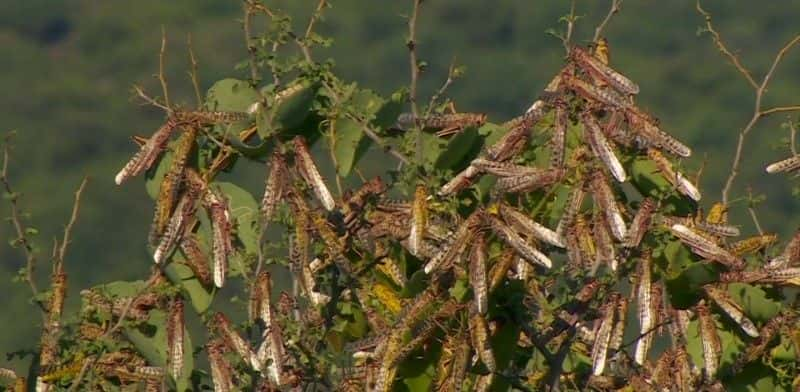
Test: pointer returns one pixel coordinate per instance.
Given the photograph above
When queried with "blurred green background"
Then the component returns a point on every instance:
(67, 68)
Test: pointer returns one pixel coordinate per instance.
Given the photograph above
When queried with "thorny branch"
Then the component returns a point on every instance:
(616, 6)
(19, 227)
(414, 65)
(760, 88)
(724, 49)
(251, 49)
(193, 72)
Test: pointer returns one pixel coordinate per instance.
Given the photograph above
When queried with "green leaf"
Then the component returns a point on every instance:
(245, 214)
(387, 115)
(181, 275)
(415, 284)
(460, 290)
(432, 147)
(417, 373)
(231, 95)
(121, 289)
(154, 177)
(492, 132)
(785, 350)
(732, 345)
(366, 101)
(648, 180)
(288, 113)
(350, 144)
(150, 339)
(251, 151)
(754, 301)
(460, 149)
(755, 377)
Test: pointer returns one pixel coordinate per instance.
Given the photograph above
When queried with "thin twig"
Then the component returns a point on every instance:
(303, 43)
(751, 210)
(332, 149)
(62, 251)
(616, 6)
(450, 79)
(758, 112)
(149, 100)
(193, 73)
(161, 77)
(780, 109)
(251, 49)
(19, 228)
(570, 26)
(412, 89)
(792, 137)
(724, 49)
(314, 18)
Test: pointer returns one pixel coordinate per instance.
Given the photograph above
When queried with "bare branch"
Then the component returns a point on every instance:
(62, 250)
(792, 137)
(751, 210)
(314, 18)
(570, 26)
(193, 72)
(450, 79)
(161, 77)
(781, 53)
(758, 112)
(616, 6)
(780, 109)
(724, 49)
(149, 100)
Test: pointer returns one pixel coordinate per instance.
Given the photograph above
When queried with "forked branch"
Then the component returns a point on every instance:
(759, 89)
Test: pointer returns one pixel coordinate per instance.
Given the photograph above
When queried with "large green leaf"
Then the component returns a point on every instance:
(155, 176)
(492, 132)
(351, 145)
(647, 179)
(387, 115)
(121, 289)
(755, 302)
(181, 275)
(150, 339)
(288, 113)
(460, 149)
(231, 95)
(244, 211)
(417, 373)
(755, 377)
(732, 345)
(432, 147)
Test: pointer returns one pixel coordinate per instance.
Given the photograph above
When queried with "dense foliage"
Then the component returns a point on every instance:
(563, 248)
